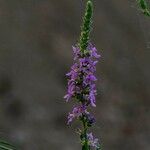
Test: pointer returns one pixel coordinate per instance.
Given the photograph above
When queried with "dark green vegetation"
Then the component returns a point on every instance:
(144, 7)
(6, 146)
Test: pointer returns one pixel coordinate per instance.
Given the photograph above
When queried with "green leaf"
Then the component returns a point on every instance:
(144, 7)
(143, 4)
(6, 146)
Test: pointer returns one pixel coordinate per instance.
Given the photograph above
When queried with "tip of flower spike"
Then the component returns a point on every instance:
(89, 2)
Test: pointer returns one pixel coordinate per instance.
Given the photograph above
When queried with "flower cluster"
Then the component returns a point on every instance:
(81, 78)
(76, 113)
(81, 86)
(93, 141)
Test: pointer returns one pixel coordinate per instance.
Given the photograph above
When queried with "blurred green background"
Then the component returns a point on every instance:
(35, 53)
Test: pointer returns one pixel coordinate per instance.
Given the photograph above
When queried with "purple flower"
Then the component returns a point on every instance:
(70, 94)
(76, 113)
(91, 77)
(90, 119)
(92, 98)
(93, 51)
(76, 52)
(73, 74)
(93, 141)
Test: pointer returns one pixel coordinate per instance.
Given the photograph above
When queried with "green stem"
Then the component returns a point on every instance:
(85, 144)
(83, 44)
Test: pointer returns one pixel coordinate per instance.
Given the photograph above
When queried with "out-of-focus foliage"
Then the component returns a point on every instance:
(6, 146)
(144, 7)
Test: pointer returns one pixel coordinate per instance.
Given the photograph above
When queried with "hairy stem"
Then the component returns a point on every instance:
(83, 44)
(85, 145)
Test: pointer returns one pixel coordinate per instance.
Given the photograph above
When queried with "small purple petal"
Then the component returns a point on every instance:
(93, 141)
(76, 112)
(67, 97)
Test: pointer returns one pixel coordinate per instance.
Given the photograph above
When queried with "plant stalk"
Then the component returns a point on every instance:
(85, 144)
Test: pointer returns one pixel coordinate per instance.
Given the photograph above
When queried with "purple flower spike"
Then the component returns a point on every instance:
(81, 78)
(81, 87)
(81, 82)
